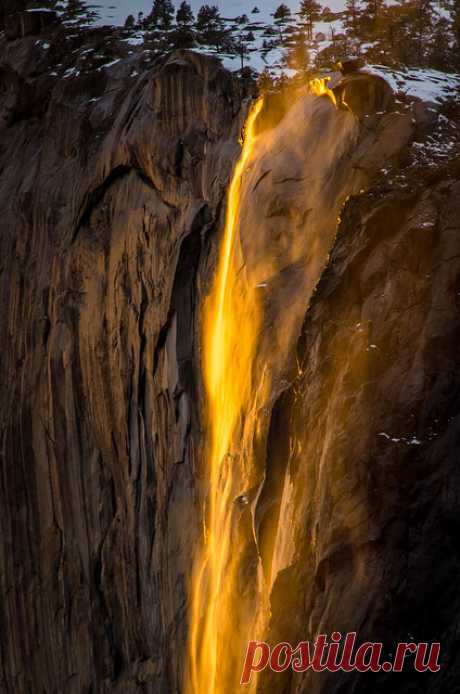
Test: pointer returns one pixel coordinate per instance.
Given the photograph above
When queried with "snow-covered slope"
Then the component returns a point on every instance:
(116, 11)
(428, 85)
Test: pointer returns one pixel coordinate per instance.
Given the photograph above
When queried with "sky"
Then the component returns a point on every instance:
(116, 11)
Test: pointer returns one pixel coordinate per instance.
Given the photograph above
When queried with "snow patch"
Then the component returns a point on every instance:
(412, 441)
(428, 85)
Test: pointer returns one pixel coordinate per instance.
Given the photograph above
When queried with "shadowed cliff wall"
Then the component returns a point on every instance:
(106, 206)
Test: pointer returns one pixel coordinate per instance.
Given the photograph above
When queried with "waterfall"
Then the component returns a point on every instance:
(284, 201)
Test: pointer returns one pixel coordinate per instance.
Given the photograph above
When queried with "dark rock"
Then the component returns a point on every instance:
(363, 93)
(9, 7)
(349, 65)
(375, 427)
(106, 205)
(28, 23)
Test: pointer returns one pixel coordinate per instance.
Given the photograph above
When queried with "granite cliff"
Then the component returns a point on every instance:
(112, 190)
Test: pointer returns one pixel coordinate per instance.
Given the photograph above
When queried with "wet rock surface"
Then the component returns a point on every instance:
(112, 184)
(372, 422)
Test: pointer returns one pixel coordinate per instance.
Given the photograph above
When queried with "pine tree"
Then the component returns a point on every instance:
(183, 35)
(352, 22)
(298, 57)
(423, 25)
(309, 12)
(130, 22)
(282, 15)
(352, 13)
(455, 14)
(79, 13)
(162, 14)
(184, 16)
(243, 45)
(440, 53)
(370, 15)
(265, 81)
(404, 32)
(208, 17)
(208, 25)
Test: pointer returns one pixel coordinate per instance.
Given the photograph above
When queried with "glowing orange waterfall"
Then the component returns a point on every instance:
(319, 86)
(230, 592)
(230, 326)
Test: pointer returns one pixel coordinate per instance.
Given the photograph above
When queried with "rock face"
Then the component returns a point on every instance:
(112, 189)
(372, 426)
(10, 7)
(22, 24)
(107, 203)
(363, 94)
